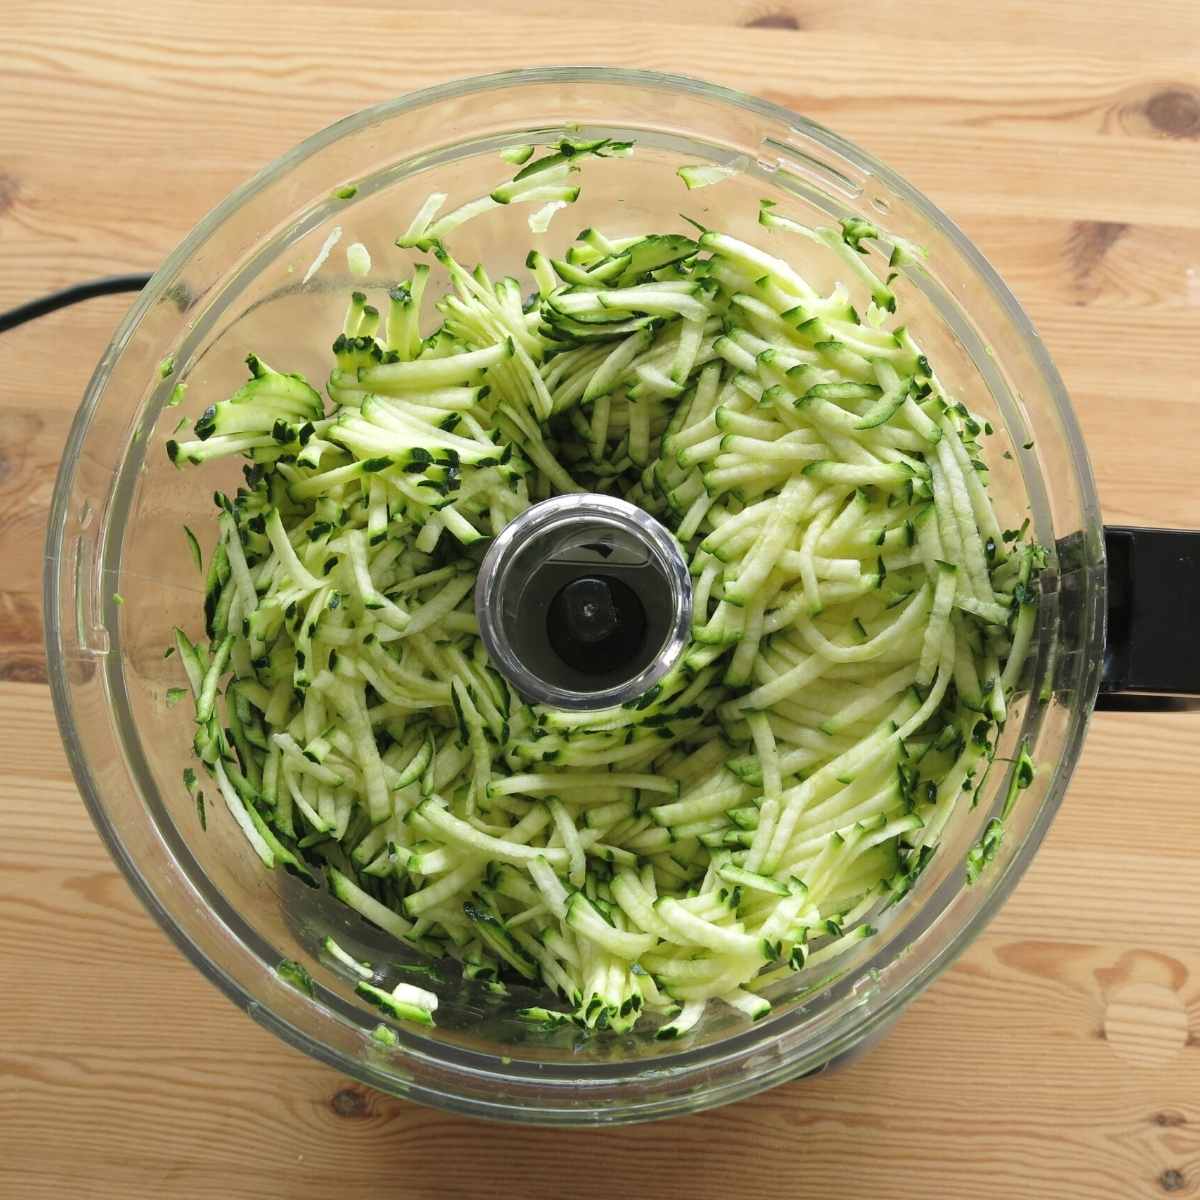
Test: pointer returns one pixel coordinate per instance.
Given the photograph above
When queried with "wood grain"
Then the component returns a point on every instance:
(1060, 1057)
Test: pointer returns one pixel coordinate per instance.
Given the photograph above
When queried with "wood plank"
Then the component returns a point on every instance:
(1140, 27)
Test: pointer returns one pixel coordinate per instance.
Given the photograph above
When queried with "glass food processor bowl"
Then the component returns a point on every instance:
(119, 574)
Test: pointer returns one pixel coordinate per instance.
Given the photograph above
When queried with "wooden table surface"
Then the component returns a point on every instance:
(1060, 1057)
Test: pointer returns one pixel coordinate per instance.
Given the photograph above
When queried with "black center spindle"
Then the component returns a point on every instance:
(596, 624)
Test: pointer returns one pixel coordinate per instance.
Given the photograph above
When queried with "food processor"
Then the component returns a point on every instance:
(119, 576)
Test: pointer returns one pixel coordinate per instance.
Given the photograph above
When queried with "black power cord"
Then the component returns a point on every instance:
(108, 285)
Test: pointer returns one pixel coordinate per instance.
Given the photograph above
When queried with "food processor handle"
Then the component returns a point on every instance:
(1152, 648)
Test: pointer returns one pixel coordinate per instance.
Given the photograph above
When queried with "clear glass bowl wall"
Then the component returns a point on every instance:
(235, 285)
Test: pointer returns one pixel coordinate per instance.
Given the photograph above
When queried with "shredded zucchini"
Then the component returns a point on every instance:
(859, 620)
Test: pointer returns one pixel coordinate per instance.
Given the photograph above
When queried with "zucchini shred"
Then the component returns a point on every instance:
(860, 618)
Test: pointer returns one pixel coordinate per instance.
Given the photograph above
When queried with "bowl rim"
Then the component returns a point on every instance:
(604, 1076)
